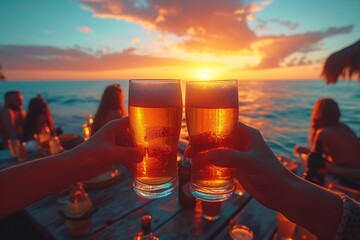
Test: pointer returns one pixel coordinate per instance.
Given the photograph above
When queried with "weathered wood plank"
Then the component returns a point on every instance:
(113, 203)
(190, 224)
(261, 220)
(6, 160)
(161, 210)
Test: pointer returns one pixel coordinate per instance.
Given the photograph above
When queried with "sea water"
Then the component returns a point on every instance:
(279, 109)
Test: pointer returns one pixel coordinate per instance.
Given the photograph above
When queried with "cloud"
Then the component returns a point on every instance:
(274, 49)
(264, 25)
(213, 26)
(46, 58)
(85, 29)
(135, 40)
(205, 24)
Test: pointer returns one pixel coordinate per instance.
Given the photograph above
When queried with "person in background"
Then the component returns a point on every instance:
(38, 118)
(111, 107)
(12, 117)
(338, 142)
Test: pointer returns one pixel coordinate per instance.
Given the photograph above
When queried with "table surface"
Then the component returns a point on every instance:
(120, 210)
(6, 160)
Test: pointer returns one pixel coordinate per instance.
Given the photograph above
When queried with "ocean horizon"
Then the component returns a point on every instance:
(280, 109)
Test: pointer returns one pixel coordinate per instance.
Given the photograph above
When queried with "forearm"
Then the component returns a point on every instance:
(27, 183)
(353, 173)
(311, 206)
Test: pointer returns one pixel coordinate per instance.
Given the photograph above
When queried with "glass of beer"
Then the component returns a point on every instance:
(155, 114)
(211, 116)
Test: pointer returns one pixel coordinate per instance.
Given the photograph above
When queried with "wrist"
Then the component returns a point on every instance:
(84, 161)
(286, 187)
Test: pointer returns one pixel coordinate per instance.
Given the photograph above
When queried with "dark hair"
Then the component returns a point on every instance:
(9, 93)
(111, 100)
(325, 113)
(37, 107)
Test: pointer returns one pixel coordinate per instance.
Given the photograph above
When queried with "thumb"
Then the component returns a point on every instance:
(127, 156)
(228, 158)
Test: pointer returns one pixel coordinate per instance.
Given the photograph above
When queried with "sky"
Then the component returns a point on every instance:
(188, 39)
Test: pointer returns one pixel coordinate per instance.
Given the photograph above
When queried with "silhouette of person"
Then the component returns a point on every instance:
(339, 142)
(38, 117)
(111, 107)
(12, 116)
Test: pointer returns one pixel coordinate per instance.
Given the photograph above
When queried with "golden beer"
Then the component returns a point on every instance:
(155, 113)
(211, 116)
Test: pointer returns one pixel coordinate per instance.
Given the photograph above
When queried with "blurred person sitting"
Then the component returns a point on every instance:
(39, 118)
(111, 107)
(12, 117)
(338, 142)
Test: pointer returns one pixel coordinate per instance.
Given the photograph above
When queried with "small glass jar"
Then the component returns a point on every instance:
(241, 232)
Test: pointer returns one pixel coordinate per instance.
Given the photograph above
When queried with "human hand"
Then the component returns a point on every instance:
(257, 168)
(301, 150)
(110, 145)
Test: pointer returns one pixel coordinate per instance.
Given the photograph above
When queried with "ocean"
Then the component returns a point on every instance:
(279, 109)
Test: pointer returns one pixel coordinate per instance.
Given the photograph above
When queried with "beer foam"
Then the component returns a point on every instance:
(164, 94)
(212, 94)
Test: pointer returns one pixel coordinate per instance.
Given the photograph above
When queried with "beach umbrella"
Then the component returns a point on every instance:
(343, 63)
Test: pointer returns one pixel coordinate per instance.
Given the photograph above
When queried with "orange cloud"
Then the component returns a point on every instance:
(85, 29)
(274, 49)
(216, 27)
(76, 59)
(208, 24)
(135, 40)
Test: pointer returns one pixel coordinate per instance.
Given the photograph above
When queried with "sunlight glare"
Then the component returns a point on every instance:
(204, 74)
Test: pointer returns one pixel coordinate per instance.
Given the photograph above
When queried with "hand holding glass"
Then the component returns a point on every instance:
(211, 116)
(155, 113)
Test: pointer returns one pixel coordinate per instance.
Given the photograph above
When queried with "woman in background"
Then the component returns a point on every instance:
(339, 142)
(111, 107)
(38, 118)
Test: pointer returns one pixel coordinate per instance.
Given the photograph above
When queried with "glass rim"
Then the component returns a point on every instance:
(242, 227)
(211, 81)
(155, 80)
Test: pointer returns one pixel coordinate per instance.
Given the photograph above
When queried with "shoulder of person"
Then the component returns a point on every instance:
(344, 126)
(321, 133)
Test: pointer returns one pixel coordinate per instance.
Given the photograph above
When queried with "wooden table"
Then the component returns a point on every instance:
(6, 160)
(120, 210)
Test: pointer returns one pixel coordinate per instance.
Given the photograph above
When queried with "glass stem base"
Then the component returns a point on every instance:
(149, 191)
(212, 194)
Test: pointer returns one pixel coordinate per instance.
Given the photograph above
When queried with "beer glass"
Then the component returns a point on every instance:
(155, 113)
(211, 116)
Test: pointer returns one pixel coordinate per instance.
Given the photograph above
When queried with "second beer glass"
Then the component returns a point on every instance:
(155, 113)
(211, 116)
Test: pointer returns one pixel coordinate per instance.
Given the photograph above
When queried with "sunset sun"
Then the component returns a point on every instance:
(204, 74)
